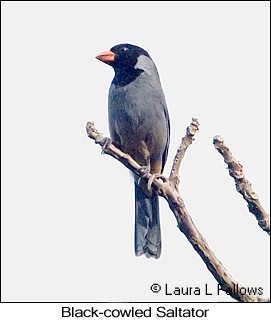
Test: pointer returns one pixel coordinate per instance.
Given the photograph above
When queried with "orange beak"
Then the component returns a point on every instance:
(106, 56)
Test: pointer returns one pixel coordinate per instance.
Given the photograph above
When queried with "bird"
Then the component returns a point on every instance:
(139, 125)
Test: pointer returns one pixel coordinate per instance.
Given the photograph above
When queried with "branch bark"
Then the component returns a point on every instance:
(187, 140)
(243, 186)
(168, 189)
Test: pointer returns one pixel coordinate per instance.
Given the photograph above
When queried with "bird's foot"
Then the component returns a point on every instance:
(144, 170)
(142, 180)
(153, 177)
(105, 143)
(147, 185)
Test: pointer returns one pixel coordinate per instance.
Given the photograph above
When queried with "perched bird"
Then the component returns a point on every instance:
(139, 126)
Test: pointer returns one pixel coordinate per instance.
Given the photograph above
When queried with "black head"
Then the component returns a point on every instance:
(123, 58)
(126, 55)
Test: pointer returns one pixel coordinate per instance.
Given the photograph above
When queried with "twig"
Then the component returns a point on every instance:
(168, 190)
(186, 142)
(112, 150)
(243, 186)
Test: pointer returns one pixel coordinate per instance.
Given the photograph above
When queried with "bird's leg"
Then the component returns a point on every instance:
(153, 177)
(105, 143)
(147, 186)
(144, 170)
(142, 181)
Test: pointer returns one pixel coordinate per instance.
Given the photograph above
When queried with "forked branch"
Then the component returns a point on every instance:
(169, 190)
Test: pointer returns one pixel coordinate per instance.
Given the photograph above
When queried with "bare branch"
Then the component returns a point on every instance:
(243, 186)
(111, 150)
(186, 142)
(167, 189)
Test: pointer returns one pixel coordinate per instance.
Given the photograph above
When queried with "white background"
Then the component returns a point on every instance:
(67, 210)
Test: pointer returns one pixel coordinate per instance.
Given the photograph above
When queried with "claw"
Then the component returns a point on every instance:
(150, 181)
(148, 188)
(153, 177)
(105, 143)
(144, 170)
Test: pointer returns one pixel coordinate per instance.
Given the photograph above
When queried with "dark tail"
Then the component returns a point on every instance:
(147, 224)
